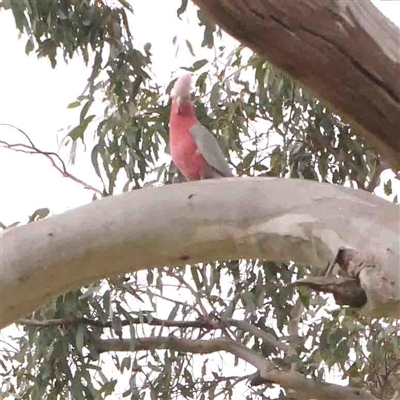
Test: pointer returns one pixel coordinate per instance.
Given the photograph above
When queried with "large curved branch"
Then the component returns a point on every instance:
(276, 219)
(346, 52)
(289, 380)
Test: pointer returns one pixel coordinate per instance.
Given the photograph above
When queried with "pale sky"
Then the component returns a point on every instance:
(34, 98)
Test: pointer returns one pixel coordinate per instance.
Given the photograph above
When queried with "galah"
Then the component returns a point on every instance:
(193, 148)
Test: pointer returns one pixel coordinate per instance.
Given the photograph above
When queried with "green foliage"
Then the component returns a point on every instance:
(267, 125)
(362, 350)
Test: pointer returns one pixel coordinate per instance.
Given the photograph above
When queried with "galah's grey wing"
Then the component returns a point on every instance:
(209, 149)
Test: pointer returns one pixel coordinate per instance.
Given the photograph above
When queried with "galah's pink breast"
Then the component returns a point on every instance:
(185, 154)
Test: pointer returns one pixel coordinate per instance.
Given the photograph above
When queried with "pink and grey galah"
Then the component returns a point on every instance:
(193, 148)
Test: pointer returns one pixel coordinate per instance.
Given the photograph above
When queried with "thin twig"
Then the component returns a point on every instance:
(53, 157)
(201, 323)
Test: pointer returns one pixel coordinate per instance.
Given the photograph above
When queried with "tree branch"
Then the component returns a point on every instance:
(289, 380)
(275, 219)
(346, 52)
(259, 333)
(53, 157)
(201, 324)
(207, 324)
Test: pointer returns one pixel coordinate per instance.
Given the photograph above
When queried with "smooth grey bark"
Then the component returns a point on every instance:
(275, 219)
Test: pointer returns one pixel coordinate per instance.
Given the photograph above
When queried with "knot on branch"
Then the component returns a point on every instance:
(346, 289)
(351, 262)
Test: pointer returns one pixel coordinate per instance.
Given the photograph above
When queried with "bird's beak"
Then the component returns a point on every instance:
(179, 101)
